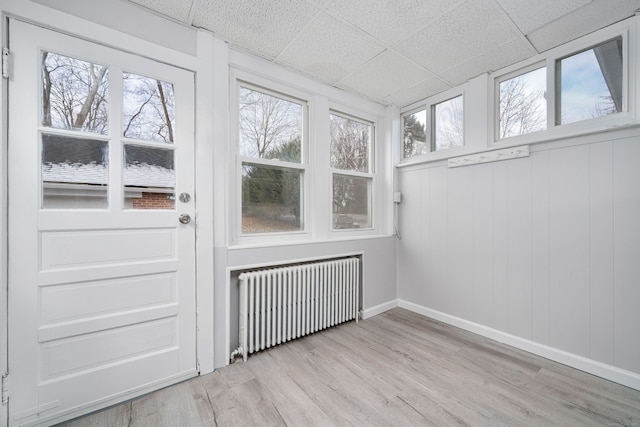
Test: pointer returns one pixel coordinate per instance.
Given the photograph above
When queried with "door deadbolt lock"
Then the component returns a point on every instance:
(184, 218)
(184, 197)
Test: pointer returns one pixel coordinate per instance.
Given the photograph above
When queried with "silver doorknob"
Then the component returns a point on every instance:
(184, 218)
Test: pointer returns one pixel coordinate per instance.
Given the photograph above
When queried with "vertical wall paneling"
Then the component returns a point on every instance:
(425, 262)
(540, 246)
(601, 250)
(460, 231)
(500, 248)
(569, 249)
(438, 248)
(519, 247)
(483, 244)
(411, 224)
(626, 181)
(545, 249)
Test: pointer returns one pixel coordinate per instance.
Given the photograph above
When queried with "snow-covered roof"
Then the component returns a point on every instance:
(135, 175)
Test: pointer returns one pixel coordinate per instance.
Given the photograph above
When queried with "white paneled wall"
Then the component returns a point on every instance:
(545, 248)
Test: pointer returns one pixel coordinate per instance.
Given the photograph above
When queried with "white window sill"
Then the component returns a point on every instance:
(284, 243)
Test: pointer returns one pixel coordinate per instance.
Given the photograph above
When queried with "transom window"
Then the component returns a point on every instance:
(522, 105)
(436, 127)
(589, 83)
(585, 85)
(448, 124)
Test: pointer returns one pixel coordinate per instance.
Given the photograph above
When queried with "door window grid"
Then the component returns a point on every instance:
(75, 168)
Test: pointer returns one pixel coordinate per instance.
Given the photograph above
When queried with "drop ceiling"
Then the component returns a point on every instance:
(395, 51)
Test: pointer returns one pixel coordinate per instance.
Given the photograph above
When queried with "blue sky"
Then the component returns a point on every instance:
(582, 86)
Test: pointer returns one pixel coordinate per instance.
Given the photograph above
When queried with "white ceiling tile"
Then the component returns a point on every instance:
(495, 59)
(384, 75)
(345, 42)
(530, 15)
(176, 9)
(264, 27)
(420, 91)
(329, 49)
(592, 17)
(470, 29)
(389, 21)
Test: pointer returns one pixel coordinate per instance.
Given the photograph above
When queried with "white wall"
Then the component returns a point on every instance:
(541, 251)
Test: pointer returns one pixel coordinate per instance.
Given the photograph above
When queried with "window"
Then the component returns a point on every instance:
(415, 134)
(271, 157)
(448, 124)
(351, 147)
(436, 128)
(589, 83)
(522, 105)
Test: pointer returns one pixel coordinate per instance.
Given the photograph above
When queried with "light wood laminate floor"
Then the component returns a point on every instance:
(395, 369)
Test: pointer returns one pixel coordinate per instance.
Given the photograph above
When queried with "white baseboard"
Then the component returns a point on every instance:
(379, 309)
(612, 373)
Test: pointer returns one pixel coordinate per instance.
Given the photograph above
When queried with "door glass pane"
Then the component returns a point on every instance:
(148, 108)
(74, 173)
(351, 202)
(271, 200)
(448, 124)
(149, 178)
(590, 83)
(74, 94)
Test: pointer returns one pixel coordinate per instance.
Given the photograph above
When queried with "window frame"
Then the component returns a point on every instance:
(626, 30)
(288, 94)
(370, 174)
(429, 105)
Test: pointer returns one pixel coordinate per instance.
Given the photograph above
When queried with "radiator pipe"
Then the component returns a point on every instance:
(236, 353)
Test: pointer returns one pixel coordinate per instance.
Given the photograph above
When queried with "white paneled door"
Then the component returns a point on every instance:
(101, 241)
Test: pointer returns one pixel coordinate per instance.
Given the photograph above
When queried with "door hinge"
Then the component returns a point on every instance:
(5, 388)
(5, 62)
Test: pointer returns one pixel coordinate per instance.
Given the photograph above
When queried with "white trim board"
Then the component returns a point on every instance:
(612, 373)
(379, 309)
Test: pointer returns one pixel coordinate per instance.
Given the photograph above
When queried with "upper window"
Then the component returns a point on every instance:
(589, 83)
(448, 124)
(74, 94)
(271, 157)
(415, 134)
(351, 147)
(75, 165)
(584, 85)
(148, 108)
(522, 103)
(436, 128)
